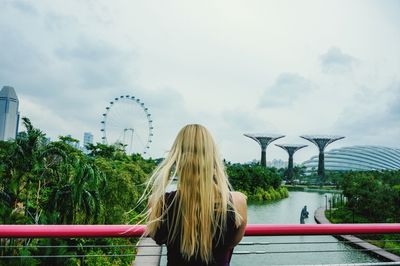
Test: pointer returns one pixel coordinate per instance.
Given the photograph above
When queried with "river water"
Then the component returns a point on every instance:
(287, 211)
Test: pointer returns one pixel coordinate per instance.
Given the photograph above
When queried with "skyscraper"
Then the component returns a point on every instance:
(87, 139)
(9, 115)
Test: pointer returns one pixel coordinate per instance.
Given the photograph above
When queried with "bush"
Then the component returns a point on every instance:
(373, 195)
(257, 182)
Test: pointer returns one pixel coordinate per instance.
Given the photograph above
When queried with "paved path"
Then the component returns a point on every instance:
(320, 218)
(144, 258)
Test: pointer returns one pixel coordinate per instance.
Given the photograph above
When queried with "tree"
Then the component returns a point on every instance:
(249, 177)
(105, 151)
(53, 182)
(370, 197)
(76, 199)
(28, 162)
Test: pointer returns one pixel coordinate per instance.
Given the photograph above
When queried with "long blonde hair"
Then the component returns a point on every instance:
(202, 198)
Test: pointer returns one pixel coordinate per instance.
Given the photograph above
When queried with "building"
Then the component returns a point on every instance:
(358, 158)
(87, 139)
(9, 115)
(277, 163)
(74, 142)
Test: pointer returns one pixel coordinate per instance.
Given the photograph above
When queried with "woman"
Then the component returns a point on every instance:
(202, 220)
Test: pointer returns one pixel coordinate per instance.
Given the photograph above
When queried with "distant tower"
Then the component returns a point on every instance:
(9, 115)
(74, 143)
(321, 142)
(264, 140)
(87, 139)
(291, 149)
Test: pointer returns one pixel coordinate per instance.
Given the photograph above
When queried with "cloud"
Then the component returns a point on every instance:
(234, 71)
(373, 117)
(335, 61)
(34, 110)
(75, 82)
(97, 63)
(393, 106)
(64, 73)
(243, 121)
(23, 6)
(287, 89)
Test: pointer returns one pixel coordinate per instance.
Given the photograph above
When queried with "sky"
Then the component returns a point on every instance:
(276, 67)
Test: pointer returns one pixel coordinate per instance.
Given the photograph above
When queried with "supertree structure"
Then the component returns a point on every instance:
(291, 149)
(321, 142)
(264, 140)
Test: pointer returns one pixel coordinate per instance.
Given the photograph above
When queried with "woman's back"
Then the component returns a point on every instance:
(221, 248)
(203, 220)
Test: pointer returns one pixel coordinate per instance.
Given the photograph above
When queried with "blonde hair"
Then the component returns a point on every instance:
(203, 193)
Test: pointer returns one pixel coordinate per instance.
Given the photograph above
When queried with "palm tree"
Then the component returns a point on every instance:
(28, 166)
(77, 199)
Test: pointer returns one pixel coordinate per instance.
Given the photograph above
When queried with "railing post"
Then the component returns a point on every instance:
(326, 202)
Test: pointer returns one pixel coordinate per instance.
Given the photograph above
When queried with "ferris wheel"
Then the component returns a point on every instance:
(127, 121)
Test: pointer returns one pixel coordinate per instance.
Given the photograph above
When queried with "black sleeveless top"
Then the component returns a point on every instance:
(221, 250)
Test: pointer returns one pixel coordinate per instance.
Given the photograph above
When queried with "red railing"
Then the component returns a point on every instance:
(64, 231)
(146, 254)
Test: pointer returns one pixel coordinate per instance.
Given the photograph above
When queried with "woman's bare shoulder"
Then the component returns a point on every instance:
(239, 201)
(239, 198)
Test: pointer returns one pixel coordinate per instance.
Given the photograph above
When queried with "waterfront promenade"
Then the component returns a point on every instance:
(320, 218)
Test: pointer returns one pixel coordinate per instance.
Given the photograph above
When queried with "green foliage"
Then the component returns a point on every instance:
(298, 174)
(373, 195)
(257, 182)
(345, 215)
(125, 185)
(99, 257)
(44, 182)
(391, 243)
(76, 198)
(269, 195)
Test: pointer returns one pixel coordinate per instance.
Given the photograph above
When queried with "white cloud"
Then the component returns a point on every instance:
(373, 115)
(287, 89)
(289, 67)
(335, 61)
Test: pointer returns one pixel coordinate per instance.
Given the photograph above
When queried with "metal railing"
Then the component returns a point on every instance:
(83, 231)
(137, 231)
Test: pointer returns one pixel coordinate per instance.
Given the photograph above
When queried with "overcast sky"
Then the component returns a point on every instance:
(281, 67)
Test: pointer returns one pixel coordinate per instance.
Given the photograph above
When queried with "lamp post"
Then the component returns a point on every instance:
(326, 202)
(355, 206)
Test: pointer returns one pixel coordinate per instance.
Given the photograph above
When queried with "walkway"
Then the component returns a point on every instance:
(148, 253)
(320, 218)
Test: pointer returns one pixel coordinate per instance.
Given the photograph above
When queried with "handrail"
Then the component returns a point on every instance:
(65, 231)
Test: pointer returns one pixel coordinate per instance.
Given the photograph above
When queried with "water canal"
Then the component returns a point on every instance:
(287, 211)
